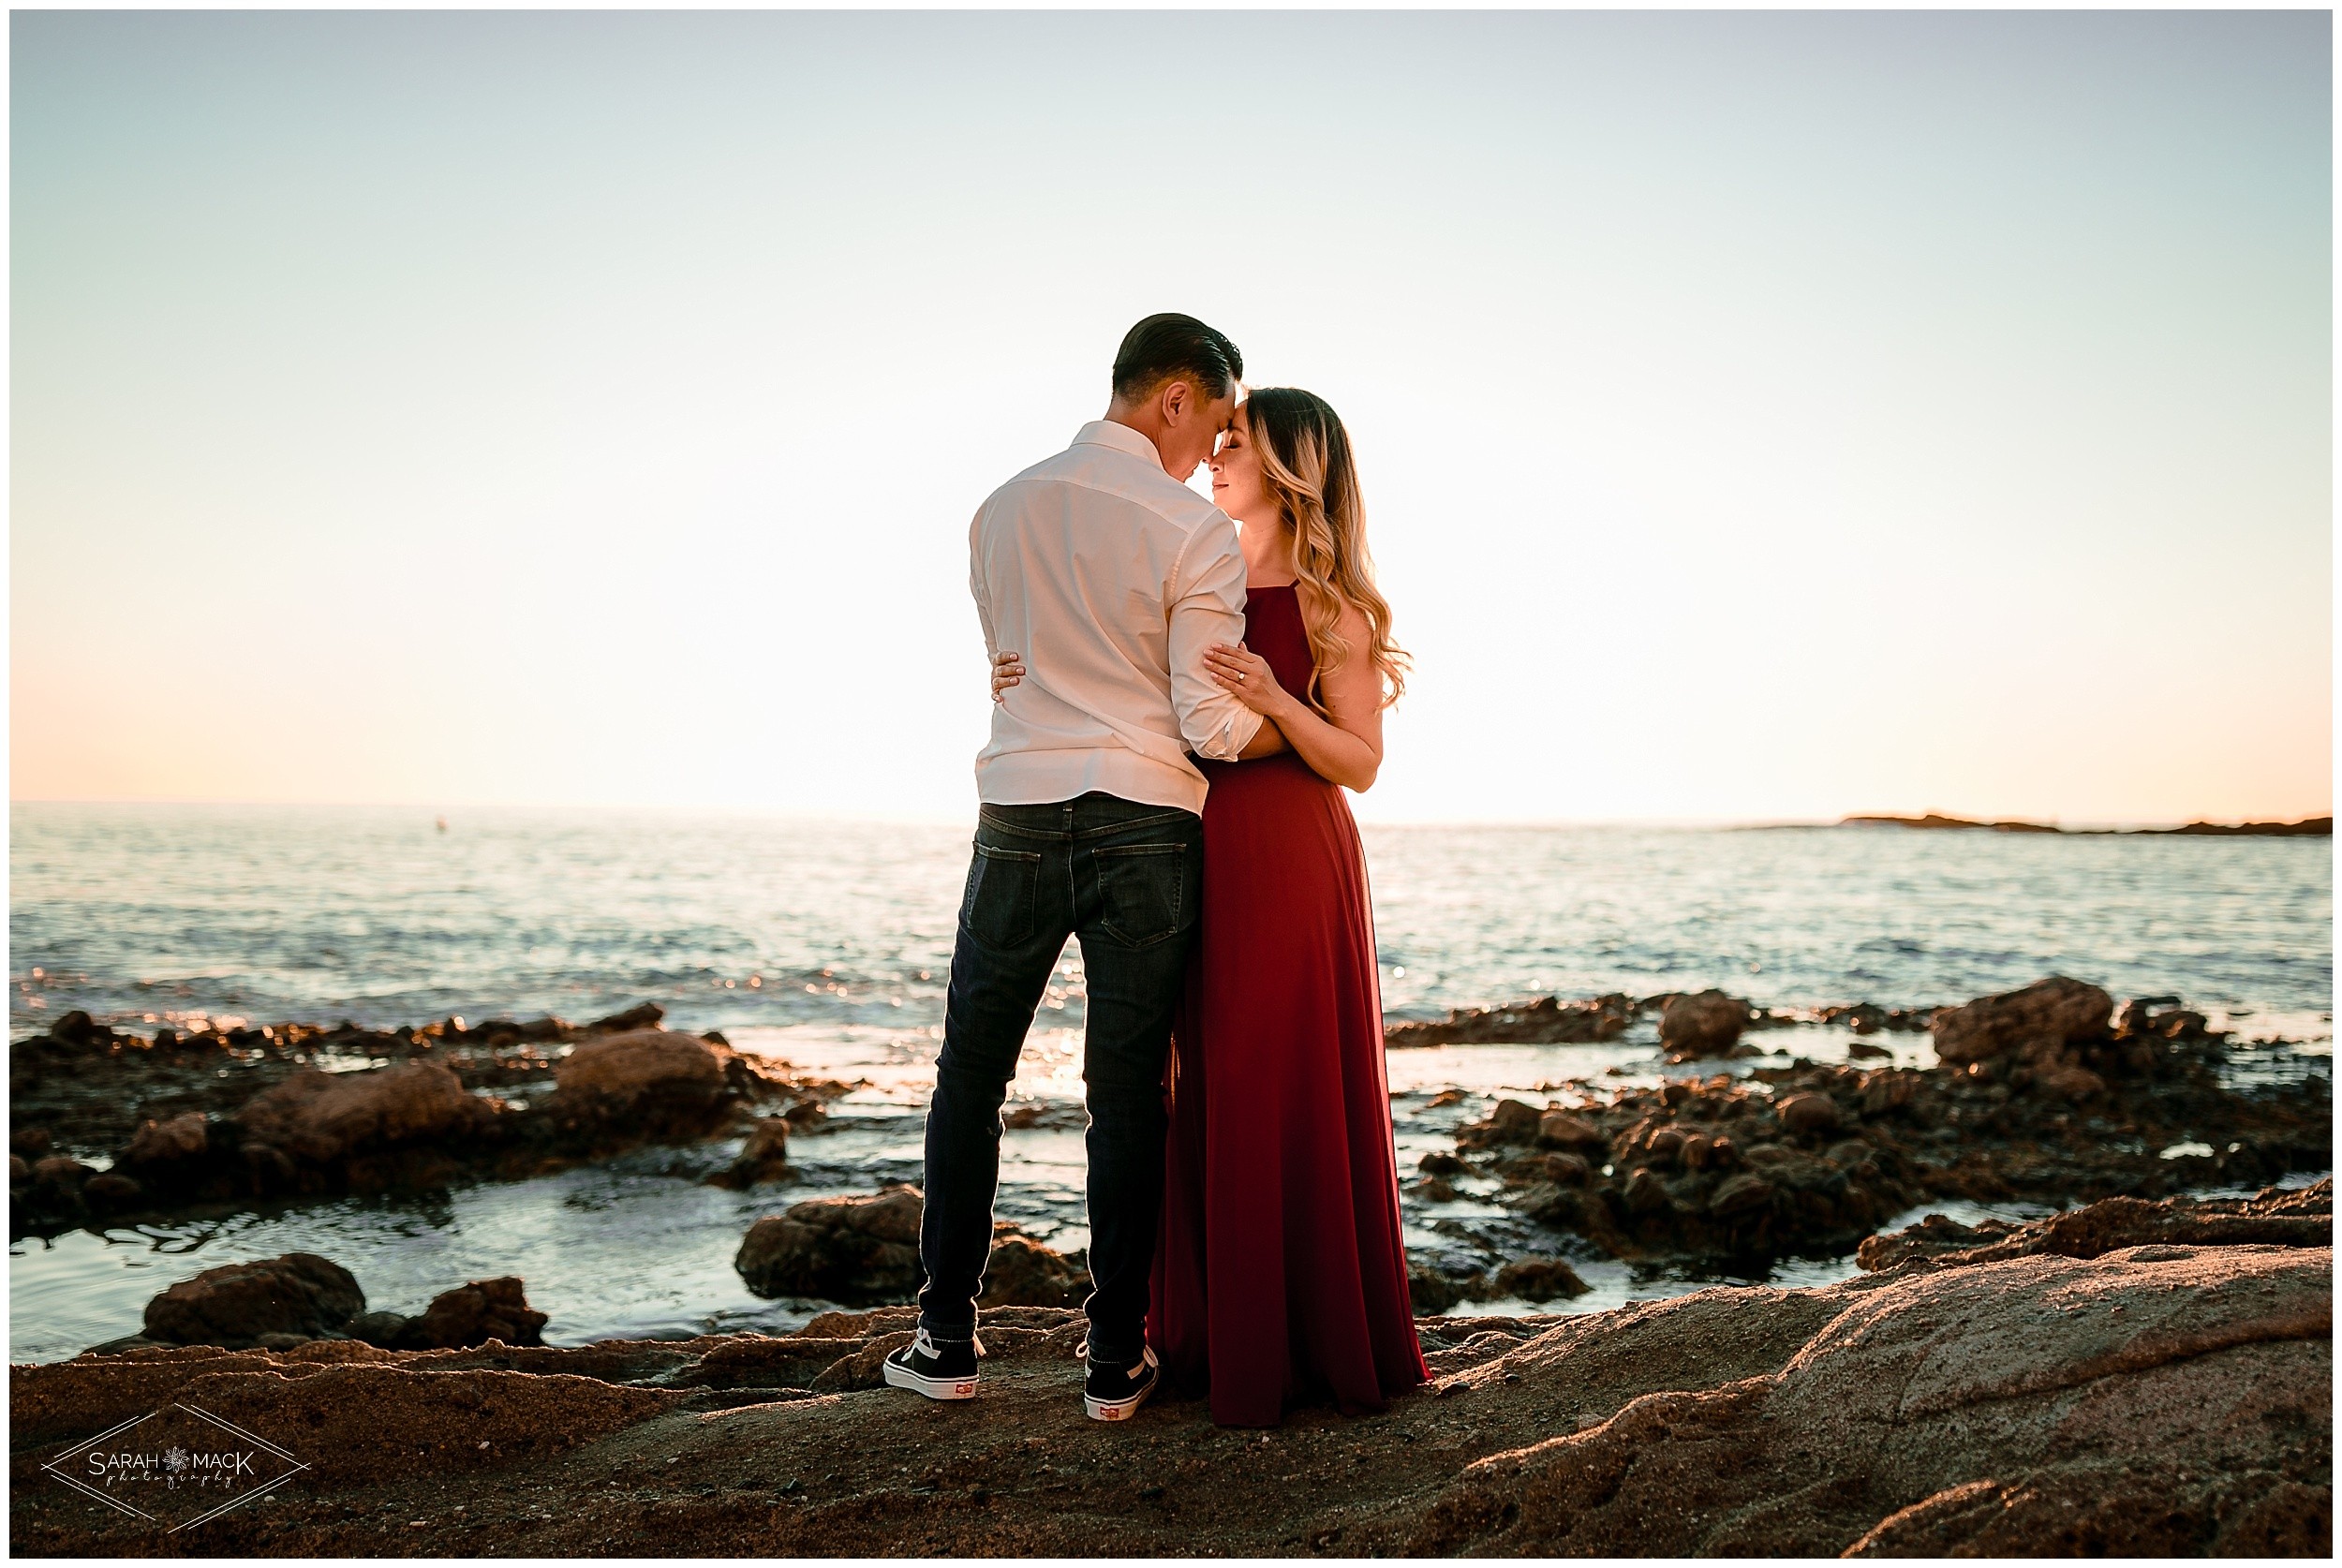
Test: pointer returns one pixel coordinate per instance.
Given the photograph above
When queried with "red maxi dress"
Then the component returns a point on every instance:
(1280, 1278)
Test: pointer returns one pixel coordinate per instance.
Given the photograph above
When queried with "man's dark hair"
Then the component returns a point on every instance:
(1163, 347)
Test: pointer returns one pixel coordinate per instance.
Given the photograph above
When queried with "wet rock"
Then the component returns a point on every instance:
(1432, 1291)
(378, 1328)
(1740, 1194)
(1562, 1131)
(164, 1143)
(473, 1314)
(326, 1117)
(1645, 1192)
(1539, 1279)
(235, 1305)
(643, 1016)
(29, 1142)
(763, 1158)
(853, 1249)
(1863, 1050)
(76, 1030)
(1070, 1118)
(1510, 1122)
(107, 1190)
(1889, 1091)
(2164, 1018)
(1703, 1025)
(1809, 1115)
(62, 1175)
(2064, 1081)
(1847, 1155)
(2040, 1020)
(1567, 1170)
(20, 1170)
(547, 1030)
(2275, 1217)
(1024, 1272)
(1546, 1021)
(1438, 1164)
(649, 1078)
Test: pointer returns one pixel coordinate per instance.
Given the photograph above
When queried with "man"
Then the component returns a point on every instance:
(1112, 578)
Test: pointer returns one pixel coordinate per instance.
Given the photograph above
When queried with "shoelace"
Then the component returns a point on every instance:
(924, 1345)
(1146, 1356)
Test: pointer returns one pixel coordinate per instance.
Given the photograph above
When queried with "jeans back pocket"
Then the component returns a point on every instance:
(1146, 890)
(997, 907)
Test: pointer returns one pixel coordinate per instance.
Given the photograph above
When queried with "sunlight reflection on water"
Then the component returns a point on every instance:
(827, 944)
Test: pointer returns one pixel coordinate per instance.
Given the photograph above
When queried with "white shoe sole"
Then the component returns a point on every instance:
(1117, 1410)
(934, 1388)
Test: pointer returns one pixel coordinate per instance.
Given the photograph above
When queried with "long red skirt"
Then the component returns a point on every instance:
(1280, 1278)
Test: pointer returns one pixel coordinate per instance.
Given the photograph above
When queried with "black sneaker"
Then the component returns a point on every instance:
(1115, 1393)
(939, 1371)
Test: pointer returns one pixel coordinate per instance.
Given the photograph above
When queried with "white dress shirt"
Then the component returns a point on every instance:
(1111, 578)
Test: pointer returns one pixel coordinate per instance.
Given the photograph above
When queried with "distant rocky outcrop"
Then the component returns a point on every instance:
(2307, 827)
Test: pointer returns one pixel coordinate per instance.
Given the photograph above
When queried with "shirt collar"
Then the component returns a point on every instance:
(1121, 438)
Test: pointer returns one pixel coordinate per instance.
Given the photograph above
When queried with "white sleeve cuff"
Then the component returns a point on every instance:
(1233, 737)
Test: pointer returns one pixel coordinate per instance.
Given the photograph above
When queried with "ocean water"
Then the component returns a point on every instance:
(825, 944)
(147, 914)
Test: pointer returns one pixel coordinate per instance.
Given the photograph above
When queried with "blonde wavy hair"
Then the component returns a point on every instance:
(1308, 470)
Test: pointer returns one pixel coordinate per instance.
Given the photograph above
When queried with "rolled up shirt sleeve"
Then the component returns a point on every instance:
(976, 588)
(1207, 607)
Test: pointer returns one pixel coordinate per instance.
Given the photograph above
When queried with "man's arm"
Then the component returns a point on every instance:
(1207, 607)
(1267, 741)
(976, 588)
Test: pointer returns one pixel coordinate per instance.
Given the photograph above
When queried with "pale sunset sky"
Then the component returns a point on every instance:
(1762, 417)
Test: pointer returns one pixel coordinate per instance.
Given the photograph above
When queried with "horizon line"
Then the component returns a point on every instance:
(813, 814)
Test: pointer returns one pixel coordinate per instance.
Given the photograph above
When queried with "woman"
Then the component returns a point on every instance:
(1280, 1277)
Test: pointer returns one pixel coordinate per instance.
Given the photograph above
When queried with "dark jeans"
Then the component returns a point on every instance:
(1127, 879)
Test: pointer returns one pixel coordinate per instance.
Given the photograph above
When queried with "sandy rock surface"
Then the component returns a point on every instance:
(2301, 1217)
(2156, 1399)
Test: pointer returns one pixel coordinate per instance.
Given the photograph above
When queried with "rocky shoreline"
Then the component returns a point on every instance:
(220, 1118)
(2042, 1095)
(1734, 1158)
(2089, 1384)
